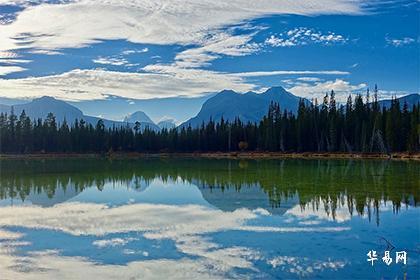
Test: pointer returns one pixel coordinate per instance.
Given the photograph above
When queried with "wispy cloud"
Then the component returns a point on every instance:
(120, 59)
(309, 79)
(129, 52)
(85, 22)
(303, 36)
(293, 72)
(116, 61)
(312, 90)
(159, 81)
(114, 242)
(184, 224)
(9, 62)
(8, 55)
(400, 42)
(156, 81)
(4, 70)
(45, 52)
(14, 61)
(215, 46)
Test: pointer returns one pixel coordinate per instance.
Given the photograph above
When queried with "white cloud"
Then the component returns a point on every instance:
(317, 90)
(50, 265)
(167, 119)
(186, 225)
(114, 242)
(400, 42)
(318, 211)
(303, 36)
(157, 221)
(309, 79)
(275, 73)
(278, 42)
(310, 213)
(159, 81)
(4, 70)
(303, 266)
(14, 61)
(45, 52)
(4, 234)
(207, 27)
(85, 22)
(119, 60)
(128, 52)
(111, 61)
(218, 44)
(8, 55)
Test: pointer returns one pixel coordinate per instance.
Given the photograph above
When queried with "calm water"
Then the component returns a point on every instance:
(198, 219)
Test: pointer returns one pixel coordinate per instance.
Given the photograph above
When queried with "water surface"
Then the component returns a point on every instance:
(199, 219)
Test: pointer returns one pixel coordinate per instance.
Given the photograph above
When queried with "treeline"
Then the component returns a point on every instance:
(358, 126)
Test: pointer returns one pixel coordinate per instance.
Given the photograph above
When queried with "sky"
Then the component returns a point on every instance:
(91, 52)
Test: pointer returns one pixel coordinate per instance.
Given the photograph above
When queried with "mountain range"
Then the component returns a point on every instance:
(411, 99)
(252, 107)
(40, 107)
(248, 107)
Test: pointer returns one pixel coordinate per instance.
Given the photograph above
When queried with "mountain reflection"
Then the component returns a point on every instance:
(275, 185)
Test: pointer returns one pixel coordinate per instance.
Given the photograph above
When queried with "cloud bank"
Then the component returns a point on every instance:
(157, 82)
(85, 22)
(160, 81)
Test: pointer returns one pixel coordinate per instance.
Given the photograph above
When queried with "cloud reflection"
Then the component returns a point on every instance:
(186, 225)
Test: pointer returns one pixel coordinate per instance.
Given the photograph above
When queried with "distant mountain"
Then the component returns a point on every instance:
(114, 107)
(143, 119)
(40, 107)
(138, 116)
(4, 108)
(251, 197)
(60, 195)
(248, 107)
(167, 124)
(411, 99)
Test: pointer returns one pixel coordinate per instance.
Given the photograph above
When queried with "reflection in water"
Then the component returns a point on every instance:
(274, 185)
(198, 219)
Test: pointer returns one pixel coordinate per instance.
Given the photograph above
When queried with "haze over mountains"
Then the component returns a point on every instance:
(167, 124)
(40, 107)
(410, 100)
(141, 117)
(157, 109)
(248, 107)
(138, 116)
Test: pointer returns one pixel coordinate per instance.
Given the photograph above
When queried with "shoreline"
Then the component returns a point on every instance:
(219, 155)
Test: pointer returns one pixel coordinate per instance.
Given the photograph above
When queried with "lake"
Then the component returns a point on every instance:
(208, 219)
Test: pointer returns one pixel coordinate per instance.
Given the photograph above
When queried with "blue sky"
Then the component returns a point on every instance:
(86, 51)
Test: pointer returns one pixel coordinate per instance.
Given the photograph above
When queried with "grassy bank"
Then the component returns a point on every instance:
(233, 155)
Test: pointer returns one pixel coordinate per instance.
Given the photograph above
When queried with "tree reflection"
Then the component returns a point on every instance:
(359, 185)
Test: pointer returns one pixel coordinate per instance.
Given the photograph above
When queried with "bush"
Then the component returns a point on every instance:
(243, 145)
